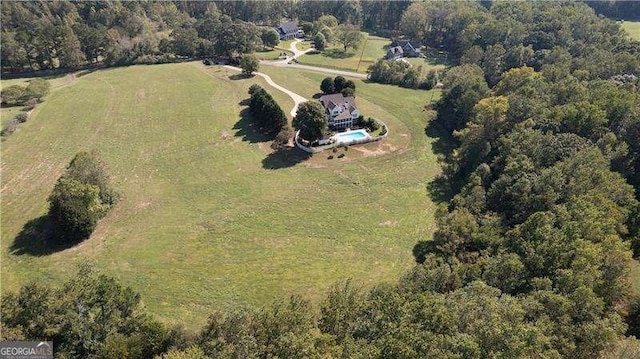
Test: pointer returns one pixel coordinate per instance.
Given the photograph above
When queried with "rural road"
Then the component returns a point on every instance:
(297, 53)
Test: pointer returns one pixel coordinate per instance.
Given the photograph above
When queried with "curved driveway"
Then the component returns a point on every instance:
(297, 99)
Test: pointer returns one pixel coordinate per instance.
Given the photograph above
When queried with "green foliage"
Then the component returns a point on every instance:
(12, 95)
(399, 73)
(185, 41)
(17, 95)
(76, 207)
(464, 87)
(328, 85)
(270, 37)
(81, 197)
(37, 89)
(310, 120)
(319, 41)
(265, 111)
(349, 36)
(91, 315)
(283, 138)
(249, 64)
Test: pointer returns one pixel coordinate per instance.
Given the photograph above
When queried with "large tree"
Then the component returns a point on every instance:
(81, 197)
(349, 36)
(310, 120)
(249, 64)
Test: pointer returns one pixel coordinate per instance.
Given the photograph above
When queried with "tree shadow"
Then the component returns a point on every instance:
(40, 237)
(240, 76)
(442, 188)
(244, 128)
(285, 158)
(337, 54)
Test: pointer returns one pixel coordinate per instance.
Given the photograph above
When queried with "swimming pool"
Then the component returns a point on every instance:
(351, 136)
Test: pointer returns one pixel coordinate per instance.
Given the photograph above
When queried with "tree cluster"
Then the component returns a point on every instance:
(266, 114)
(81, 197)
(545, 171)
(63, 34)
(536, 34)
(311, 120)
(17, 95)
(338, 85)
(401, 73)
(89, 316)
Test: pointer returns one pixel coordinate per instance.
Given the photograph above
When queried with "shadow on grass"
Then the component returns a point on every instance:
(39, 237)
(442, 188)
(240, 76)
(285, 158)
(337, 54)
(244, 128)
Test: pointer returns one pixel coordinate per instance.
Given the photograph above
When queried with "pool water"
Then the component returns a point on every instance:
(350, 136)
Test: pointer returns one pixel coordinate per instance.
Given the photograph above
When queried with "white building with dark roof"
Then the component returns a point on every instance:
(341, 111)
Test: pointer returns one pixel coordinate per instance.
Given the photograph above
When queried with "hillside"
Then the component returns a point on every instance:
(208, 217)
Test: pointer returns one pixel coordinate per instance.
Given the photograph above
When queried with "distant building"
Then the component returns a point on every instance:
(402, 49)
(341, 111)
(395, 53)
(289, 30)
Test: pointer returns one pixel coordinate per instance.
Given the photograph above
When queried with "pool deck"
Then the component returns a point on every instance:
(337, 143)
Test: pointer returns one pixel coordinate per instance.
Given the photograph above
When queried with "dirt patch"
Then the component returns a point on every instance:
(381, 149)
(142, 205)
(140, 94)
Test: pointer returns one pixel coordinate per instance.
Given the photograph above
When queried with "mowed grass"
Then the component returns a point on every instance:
(633, 28)
(204, 221)
(359, 60)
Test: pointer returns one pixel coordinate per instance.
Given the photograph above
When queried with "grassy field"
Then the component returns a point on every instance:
(209, 217)
(371, 49)
(633, 28)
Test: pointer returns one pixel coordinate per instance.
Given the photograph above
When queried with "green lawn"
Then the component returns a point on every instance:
(371, 49)
(633, 28)
(209, 218)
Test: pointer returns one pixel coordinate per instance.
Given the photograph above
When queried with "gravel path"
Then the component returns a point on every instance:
(297, 99)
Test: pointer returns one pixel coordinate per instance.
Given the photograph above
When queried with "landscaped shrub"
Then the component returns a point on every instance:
(22, 117)
(37, 89)
(12, 95)
(10, 127)
(283, 137)
(30, 104)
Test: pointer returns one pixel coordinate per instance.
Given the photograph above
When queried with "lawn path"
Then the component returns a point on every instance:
(297, 99)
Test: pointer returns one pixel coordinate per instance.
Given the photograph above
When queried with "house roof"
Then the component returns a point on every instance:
(288, 28)
(397, 50)
(329, 102)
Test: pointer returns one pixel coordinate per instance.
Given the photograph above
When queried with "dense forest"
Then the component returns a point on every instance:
(539, 138)
(62, 34)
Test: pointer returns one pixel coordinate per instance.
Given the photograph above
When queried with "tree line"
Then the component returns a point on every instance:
(63, 34)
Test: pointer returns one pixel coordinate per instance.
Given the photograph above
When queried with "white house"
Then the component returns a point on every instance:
(341, 111)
